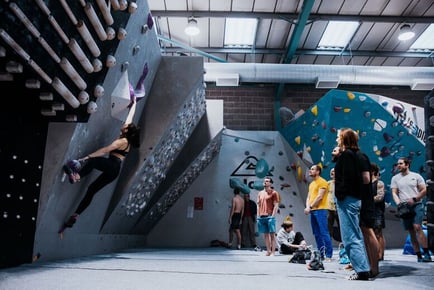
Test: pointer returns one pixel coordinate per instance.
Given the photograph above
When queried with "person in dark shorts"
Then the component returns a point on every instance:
(380, 207)
(410, 187)
(235, 218)
(367, 214)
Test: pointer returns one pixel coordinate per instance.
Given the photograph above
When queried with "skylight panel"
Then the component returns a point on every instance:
(240, 32)
(425, 40)
(338, 34)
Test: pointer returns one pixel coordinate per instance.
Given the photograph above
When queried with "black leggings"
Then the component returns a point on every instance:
(287, 250)
(110, 168)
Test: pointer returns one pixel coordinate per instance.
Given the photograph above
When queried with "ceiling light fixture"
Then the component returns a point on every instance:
(405, 33)
(192, 29)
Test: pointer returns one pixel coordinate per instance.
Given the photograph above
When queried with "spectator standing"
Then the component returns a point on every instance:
(235, 218)
(367, 214)
(408, 186)
(268, 204)
(332, 216)
(348, 191)
(248, 226)
(380, 222)
(316, 206)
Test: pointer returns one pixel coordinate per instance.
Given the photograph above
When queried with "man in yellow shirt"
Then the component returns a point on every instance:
(317, 207)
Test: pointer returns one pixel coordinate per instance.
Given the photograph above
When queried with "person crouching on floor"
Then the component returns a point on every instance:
(288, 241)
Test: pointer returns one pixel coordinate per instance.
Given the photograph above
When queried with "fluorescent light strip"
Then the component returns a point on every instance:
(338, 34)
(240, 31)
(425, 40)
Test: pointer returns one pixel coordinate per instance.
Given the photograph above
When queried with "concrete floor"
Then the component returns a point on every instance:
(208, 268)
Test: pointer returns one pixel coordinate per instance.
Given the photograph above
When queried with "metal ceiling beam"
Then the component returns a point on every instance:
(298, 52)
(291, 49)
(293, 16)
(189, 48)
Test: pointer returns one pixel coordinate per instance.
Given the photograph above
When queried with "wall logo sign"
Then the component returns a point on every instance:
(247, 167)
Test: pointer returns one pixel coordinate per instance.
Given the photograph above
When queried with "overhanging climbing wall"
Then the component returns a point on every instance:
(387, 130)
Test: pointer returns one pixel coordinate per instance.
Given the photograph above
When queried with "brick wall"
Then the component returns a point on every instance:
(251, 107)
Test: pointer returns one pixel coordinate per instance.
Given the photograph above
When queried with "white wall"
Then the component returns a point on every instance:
(175, 229)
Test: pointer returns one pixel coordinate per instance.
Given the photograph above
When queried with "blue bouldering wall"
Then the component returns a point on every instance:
(385, 133)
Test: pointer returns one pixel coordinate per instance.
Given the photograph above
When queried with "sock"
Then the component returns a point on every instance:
(419, 255)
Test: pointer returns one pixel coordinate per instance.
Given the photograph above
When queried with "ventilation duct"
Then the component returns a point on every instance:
(422, 85)
(310, 74)
(227, 80)
(327, 83)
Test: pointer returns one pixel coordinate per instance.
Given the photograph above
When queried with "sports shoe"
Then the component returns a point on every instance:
(328, 260)
(426, 258)
(258, 249)
(238, 247)
(364, 276)
(71, 168)
(74, 165)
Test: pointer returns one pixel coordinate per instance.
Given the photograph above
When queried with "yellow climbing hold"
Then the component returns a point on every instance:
(298, 140)
(314, 110)
(351, 96)
(347, 110)
(299, 172)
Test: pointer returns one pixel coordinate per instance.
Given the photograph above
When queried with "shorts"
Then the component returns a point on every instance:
(379, 220)
(266, 225)
(236, 221)
(367, 213)
(417, 219)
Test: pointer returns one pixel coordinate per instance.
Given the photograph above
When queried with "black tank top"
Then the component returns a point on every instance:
(122, 152)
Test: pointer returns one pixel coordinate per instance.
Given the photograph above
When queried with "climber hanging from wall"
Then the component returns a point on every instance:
(107, 159)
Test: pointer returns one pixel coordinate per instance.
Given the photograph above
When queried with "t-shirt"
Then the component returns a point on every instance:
(331, 196)
(266, 202)
(348, 178)
(407, 185)
(285, 238)
(314, 188)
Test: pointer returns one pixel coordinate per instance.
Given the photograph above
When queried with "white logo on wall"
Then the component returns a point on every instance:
(408, 115)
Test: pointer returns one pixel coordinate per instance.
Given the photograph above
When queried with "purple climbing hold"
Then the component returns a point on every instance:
(387, 137)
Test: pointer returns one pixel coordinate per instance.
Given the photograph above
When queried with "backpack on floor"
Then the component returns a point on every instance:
(315, 263)
(300, 256)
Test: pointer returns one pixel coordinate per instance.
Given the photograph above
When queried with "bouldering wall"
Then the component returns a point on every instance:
(387, 129)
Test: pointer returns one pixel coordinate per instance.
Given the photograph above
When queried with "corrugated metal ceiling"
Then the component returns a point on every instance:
(375, 42)
(288, 33)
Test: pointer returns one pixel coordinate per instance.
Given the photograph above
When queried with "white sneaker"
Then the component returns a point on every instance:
(238, 247)
(258, 249)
